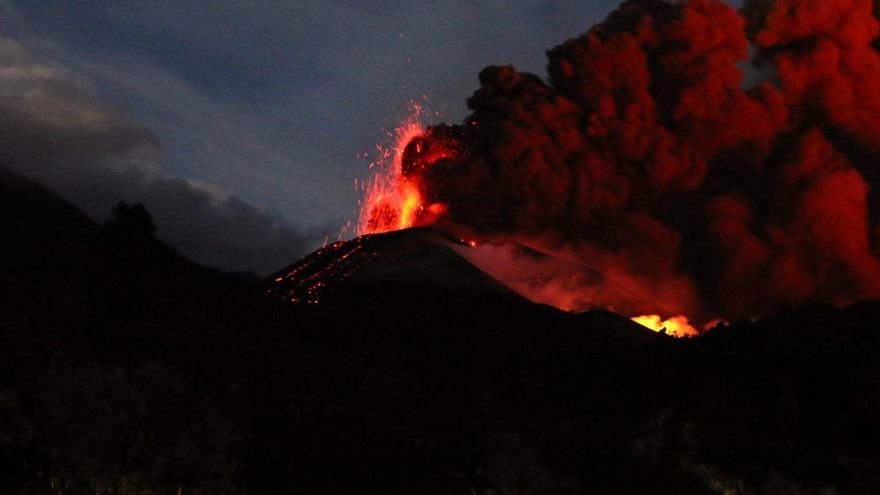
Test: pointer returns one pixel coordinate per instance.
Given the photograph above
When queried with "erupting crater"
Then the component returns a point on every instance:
(670, 183)
(406, 176)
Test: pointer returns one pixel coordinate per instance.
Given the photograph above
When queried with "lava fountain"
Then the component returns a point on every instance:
(648, 156)
(391, 200)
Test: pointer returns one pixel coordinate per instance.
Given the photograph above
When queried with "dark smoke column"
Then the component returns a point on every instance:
(646, 156)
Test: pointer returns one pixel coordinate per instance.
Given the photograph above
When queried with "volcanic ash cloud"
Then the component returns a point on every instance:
(644, 153)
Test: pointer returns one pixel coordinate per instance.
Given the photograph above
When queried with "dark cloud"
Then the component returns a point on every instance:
(275, 101)
(644, 153)
(52, 130)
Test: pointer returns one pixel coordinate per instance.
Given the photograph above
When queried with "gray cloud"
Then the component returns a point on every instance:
(53, 130)
(273, 101)
(276, 100)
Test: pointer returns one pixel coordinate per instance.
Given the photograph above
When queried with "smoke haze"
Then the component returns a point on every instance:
(644, 154)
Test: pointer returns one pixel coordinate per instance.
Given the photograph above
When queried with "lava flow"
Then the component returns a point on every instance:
(677, 326)
(647, 155)
(393, 201)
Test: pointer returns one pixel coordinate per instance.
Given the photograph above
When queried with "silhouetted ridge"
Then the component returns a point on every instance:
(124, 368)
(33, 217)
(418, 258)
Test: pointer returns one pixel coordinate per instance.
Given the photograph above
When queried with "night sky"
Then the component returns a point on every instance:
(242, 125)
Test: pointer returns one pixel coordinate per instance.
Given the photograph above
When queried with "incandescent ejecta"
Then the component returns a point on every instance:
(645, 155)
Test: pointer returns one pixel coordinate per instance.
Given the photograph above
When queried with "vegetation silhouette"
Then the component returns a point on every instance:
(127, 369)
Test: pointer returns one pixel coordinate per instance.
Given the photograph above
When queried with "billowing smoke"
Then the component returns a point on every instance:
(645, 155)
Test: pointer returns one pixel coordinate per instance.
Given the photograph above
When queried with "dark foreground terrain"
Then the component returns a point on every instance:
(126, 369)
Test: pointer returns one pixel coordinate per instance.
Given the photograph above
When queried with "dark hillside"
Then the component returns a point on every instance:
(126, 369)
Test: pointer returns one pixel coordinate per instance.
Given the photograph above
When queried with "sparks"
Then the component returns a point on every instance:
(391, 201)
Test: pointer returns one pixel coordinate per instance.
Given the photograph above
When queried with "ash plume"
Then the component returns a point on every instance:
(644, 154)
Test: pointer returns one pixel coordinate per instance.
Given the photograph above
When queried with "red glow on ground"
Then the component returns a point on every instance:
(393, 199)
(676, 326)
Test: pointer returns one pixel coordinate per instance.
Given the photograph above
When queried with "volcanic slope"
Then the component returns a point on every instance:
(417, 279)
(422, 360)
(125, 366)
(418, 257)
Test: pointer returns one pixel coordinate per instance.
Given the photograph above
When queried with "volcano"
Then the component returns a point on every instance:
(720, 162)
(641, 177)
(418, 257)
(426, 272)
(402, 368)
(434, 359)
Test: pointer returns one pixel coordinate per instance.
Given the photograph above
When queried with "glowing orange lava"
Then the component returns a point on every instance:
(412, 201)
(391, 201)
(676, 326)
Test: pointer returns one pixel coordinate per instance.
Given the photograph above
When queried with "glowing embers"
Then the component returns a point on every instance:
(676, 326)
(310, 278)
(394, 196)
(391, 201)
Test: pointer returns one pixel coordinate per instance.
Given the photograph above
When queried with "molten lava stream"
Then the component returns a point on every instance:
(676, 326)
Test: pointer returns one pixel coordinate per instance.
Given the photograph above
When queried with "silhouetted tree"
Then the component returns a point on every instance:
(130, 224)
